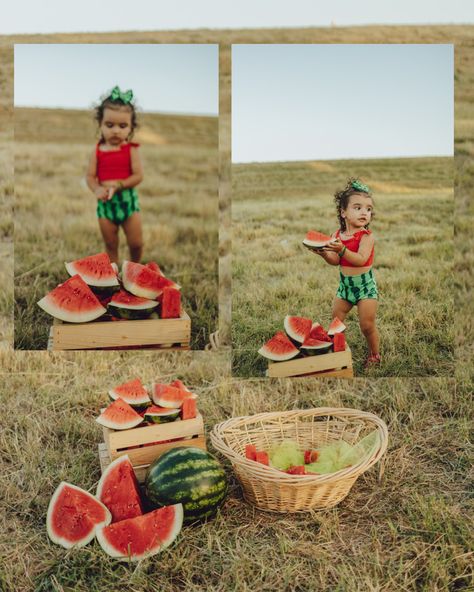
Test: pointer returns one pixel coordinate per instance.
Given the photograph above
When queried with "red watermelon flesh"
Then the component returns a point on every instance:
(171, 304)
(127, 300)
(297, 328)
(132, 392)
(73, 302)
(142, 536)
(314, 344)
(95, 270)
(119, 416)
(165, 395)
(296, 470)
(262, 457)
(336, 326)
(74, 515)
(317, 332)
(154, 266)
(316, 240)
(251, 451)
(118, 490)
(180, 385)
(189, 408)
(143, 281)
(279, 348)
(339, 342)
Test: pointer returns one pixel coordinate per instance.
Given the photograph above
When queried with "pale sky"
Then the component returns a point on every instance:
(181, 78)
(49, 16)
(323, 102)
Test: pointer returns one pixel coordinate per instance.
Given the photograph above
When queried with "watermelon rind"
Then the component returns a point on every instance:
(190, 476)
(72, 301)
(131, 307)
(132, 532)
(95, 270)
(279, 348)
(61, 539)
(297, 328)
(316, 240)
(119, 415)
(157, 414)
(143, 281)
(118, 490)
(132, 392)
(336, 326)
(172, 397)
(315, 346)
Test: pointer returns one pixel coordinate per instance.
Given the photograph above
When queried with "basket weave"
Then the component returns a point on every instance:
(273, 490)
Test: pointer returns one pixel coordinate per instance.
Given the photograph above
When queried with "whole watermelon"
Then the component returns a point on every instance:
(190, 476)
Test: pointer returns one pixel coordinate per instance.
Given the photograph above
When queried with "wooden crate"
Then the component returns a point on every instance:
(152, 333)
(142, 444)
(335, 364)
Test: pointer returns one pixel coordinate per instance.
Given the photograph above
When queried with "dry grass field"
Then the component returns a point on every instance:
(407, 523)
(408, 528)
(55, 218)
(275, 204)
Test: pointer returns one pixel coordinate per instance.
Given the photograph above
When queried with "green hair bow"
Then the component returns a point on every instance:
(360, 186)
(118, 95)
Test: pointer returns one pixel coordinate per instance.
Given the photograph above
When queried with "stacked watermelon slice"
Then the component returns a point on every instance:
(114, 515)
(94, 285)
(132, 405)
(303, 336)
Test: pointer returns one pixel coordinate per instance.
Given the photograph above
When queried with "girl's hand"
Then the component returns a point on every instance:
(101, 193)
(335, 246)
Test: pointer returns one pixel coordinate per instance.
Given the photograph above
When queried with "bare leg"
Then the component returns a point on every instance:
(340, 308)
(109, 232)
(133, 231)
(367, 310)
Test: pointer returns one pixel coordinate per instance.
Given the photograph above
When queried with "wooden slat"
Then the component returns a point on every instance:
(103, 334)
(342, 373)
(310, 364)
(117, 439)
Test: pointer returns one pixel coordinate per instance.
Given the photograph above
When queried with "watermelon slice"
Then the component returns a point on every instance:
(251, 451)
(118, 490)
(119, 416)
(165, 395)
(297, 328)
(279, 348)
(316, 240)
(180, 385)
(171, 304)
(95, 270)
(143, 281)
(127, 306)
(154, 266)
(142, 536)
(315, 346)
(74, 515)
(157, 414)
(310, 456)
(189, 408)
(339, 342)
(317, 332)
(296, 470)
(132, 392)
(336, 326)
(262, 457)
(73, 302)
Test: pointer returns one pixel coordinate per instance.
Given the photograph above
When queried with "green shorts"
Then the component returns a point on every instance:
(357, 287)
(122, 205)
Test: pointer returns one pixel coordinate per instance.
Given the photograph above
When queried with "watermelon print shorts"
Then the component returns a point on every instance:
(122, 205)
(357, 287)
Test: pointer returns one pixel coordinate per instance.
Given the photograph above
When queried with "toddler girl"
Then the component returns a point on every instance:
(114, 171)
(352, 248)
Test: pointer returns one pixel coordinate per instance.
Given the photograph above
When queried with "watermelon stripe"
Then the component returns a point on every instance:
(203, 492)
(204, 502)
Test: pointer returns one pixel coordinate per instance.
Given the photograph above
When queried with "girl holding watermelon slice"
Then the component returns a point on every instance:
(352, 248)
(114, 171)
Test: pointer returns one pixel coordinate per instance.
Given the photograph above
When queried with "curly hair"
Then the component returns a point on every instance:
(116, 104)
(341, 198)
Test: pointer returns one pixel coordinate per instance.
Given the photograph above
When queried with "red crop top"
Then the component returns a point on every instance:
(353, 243)
(114, 164)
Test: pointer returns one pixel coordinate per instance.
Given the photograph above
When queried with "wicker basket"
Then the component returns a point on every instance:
(273, 490)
